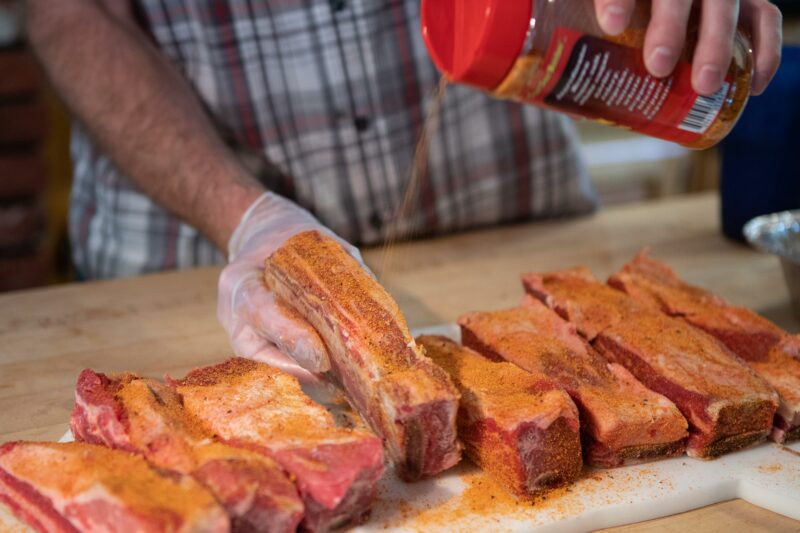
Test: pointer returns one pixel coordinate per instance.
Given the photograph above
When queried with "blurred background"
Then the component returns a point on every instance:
(34, 165)
(626, 167)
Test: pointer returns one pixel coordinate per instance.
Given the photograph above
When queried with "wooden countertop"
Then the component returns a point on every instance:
(166, 323)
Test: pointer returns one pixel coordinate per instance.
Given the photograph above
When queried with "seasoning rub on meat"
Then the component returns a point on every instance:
(518, 427)
(255, 406)
(403, 396)
(77, 487)
(772, 352)
(147, 417)
(728, 406)
(623, 422)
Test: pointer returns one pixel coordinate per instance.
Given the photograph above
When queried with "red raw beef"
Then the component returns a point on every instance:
(260, 408)
(77, 487)
(772, 352)
(147, 417)
(406, 399)
(728, 406)
(519, 428)
(623, 421)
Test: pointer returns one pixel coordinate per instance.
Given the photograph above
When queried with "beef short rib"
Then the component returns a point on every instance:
(623, 421)
(772, 352)
(520, 429)
(728, 406)
(77, 487)
(405, 398)
(260, 408)
(577, 296)
(147, 417)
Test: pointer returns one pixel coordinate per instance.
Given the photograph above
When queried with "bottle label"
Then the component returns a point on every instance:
(603, 80)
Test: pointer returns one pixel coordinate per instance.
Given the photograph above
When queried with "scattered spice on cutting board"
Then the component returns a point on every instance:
(483, 504)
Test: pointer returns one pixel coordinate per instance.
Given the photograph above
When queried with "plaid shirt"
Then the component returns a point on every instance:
(325, 100)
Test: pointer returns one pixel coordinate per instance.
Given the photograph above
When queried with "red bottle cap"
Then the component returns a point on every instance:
(475, 41)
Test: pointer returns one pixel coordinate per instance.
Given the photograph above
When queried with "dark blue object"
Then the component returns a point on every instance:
(761, 155)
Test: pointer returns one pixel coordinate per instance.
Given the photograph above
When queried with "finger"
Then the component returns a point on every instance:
(765, 22)
(613, 15)
(282, 326)
(714, 51)
(665, 36)
(294, 335)
(250, 345)
(277, 359)
(233, 276)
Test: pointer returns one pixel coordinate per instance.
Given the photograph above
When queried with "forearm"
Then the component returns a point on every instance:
(141, 112)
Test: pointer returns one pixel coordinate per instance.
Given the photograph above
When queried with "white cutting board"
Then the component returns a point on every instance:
(465, 499)
(767, 475)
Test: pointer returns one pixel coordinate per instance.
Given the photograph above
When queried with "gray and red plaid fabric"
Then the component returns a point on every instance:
(326, 101)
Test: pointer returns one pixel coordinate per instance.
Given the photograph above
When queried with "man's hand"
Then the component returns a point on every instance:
(718, 19)
(145, 116)
(259, 326)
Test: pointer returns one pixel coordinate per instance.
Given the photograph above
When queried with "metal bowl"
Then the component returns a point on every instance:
(779, 234)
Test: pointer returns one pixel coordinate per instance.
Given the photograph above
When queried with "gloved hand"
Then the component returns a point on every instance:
(261, 327)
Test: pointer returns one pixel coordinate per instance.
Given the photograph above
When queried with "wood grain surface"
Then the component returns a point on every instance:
(165, 323)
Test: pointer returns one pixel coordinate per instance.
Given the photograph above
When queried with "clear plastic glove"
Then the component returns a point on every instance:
(261, 327)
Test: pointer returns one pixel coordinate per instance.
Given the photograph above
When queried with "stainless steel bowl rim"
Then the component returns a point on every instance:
(776, 233)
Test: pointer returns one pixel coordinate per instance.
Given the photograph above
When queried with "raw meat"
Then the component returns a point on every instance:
(147, 417)
(728, 406)
(254, 406)
(405, 398)
(77, 487)
(578, 297)
(771, 351)
(517, 427)
(623, 421)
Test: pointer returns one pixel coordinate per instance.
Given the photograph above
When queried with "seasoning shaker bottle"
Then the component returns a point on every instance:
(552, 53)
